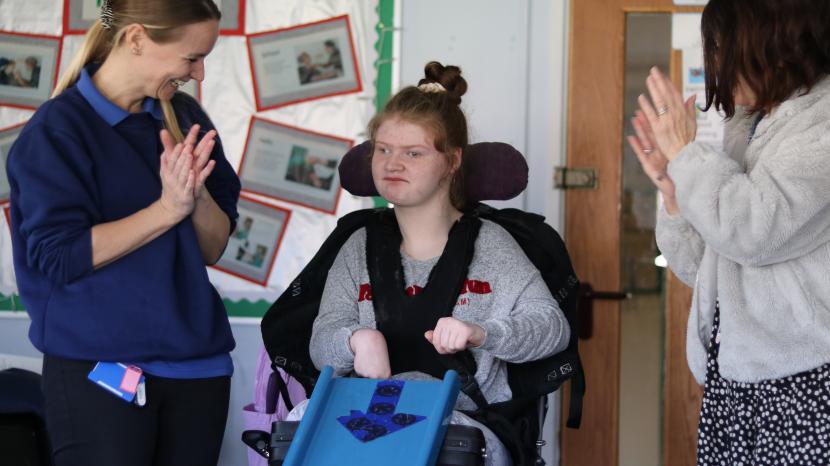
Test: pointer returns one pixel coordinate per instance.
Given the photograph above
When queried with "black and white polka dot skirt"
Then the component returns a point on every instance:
(776, 422)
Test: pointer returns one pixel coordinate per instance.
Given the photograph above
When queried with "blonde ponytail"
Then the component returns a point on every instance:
(95, 47)
(170, 121)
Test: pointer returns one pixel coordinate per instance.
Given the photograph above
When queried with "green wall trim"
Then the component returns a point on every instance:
(384, 28)
(383, 82)
(11, 303)
(242, 308)
(245, 308)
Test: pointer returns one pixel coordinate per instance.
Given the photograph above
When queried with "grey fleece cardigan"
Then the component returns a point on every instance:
(753, 232)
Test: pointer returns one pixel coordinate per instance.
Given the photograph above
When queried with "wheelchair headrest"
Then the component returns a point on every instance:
(494, 171)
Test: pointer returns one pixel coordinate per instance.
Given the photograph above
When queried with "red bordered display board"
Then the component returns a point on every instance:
(293, 164)
(7, 137)
(78, 16)
(253, 246)
(29, 66)
(304, 62)
(233, 17)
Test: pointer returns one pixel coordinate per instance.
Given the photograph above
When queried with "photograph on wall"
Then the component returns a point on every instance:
(305, 62)
(78, 15)
(233, 16)
(28, 68)
(292, 164)
(7, 138)
(253, 245)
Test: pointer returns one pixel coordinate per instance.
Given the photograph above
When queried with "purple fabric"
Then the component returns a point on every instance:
(256, 415)
(494, 171)
(356, 171)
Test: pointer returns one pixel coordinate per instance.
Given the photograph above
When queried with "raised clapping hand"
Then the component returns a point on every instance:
(202, 164)
(452, 335)
(662, 133)
(654, 163)
(671, 121)
(184, 169)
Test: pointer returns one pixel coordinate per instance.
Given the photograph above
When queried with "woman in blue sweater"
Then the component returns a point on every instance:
(120, 195)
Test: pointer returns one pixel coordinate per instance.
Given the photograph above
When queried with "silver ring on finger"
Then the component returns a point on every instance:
(647, 150)
(662, 110)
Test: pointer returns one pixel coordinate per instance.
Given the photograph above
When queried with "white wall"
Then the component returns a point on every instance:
(513, 56)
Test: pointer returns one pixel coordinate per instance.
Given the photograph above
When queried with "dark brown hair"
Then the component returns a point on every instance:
(438, 112)
(778, 47)
(161, 20)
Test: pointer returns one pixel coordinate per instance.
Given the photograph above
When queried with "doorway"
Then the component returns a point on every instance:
(641, 404)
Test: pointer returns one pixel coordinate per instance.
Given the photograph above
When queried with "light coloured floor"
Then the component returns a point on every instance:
(641, 362)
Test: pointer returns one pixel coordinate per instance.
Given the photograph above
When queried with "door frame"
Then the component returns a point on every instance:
(594, 138)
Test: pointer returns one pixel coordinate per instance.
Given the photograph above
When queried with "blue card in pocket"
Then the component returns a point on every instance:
(119, 379)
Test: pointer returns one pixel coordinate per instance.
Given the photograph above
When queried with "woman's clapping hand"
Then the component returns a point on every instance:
(184, 168)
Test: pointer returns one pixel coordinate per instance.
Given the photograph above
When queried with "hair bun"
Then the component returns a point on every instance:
(448, 76)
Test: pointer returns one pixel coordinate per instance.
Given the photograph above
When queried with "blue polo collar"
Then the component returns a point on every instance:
(111, 113)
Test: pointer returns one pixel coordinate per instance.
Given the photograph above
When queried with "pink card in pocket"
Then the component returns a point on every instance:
(132, 376)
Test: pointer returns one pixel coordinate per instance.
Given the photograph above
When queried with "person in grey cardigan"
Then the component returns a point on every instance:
(748, 228)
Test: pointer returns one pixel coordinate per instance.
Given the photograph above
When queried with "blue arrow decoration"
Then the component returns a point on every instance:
(380, 417)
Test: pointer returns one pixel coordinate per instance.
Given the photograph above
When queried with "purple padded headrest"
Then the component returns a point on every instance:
(494, 171)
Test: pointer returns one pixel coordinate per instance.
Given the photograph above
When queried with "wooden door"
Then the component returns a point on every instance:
(593, 225)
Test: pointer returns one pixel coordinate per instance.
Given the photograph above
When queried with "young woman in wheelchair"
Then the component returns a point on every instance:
(504, 311)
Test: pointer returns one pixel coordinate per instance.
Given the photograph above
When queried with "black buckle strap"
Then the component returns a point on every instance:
(470, 387)
(542, 407)
(575, 405)
(276, 377)
(283, 389)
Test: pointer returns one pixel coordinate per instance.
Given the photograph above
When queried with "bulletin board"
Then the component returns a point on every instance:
(228, 96)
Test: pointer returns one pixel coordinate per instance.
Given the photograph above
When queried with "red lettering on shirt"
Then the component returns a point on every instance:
(476, 287)
(413, 290)
(471, 286)
(365, 293)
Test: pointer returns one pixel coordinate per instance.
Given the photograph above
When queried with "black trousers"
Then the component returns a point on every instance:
(182, 423)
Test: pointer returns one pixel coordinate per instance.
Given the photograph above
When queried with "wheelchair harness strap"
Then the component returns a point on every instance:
(403, 319)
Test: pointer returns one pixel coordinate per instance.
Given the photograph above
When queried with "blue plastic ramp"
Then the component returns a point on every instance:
(373, 422)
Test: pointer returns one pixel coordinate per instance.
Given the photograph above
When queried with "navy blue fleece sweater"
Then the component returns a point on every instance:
(81, 161)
